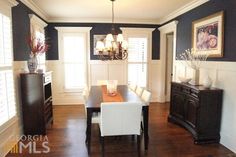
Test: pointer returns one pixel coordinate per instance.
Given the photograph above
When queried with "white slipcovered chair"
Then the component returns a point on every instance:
(101, 82)
(120, 118)
(146, 97)
(132, 87)
(139, 91)
(96, 116)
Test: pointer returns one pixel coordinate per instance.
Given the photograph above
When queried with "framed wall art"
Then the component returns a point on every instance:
(208, 35)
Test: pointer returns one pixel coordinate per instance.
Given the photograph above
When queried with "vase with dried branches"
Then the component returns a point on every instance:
(194, 60)
(37, 47)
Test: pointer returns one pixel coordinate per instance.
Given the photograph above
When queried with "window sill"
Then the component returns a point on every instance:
(8, 124)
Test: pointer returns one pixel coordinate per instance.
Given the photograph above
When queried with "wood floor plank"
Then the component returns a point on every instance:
(67, 138)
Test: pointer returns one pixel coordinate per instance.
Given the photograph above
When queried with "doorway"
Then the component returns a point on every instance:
(170, 28)
(169, 64)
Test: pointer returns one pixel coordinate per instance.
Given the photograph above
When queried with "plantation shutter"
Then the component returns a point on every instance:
(137, 61)
(7, 93)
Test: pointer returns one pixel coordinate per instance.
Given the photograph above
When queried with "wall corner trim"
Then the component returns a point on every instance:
(189, 6)
(35, 8)
(37, 20)
(169, 25)
(13, 2)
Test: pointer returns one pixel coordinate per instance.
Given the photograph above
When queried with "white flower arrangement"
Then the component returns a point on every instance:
(193, 59)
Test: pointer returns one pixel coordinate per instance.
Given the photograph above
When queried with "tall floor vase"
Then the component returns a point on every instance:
(32, 63)
(195, 77)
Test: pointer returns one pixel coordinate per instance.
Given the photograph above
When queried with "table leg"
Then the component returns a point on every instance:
(88, 130)
(145, 123)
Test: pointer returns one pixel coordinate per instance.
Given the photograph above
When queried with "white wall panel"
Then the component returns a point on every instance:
(98, 72)
(117, 72)
(223, 75)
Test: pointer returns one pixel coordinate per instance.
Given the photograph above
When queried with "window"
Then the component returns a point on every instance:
(74, 58)
(137, 61)
(7, 93)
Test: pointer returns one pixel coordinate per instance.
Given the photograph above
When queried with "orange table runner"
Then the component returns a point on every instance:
(108, 98)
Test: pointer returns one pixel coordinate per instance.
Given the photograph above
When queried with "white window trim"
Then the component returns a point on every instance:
(79, 30)
(140, 32)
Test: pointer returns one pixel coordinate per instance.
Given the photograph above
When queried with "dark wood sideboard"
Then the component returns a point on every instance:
(36, 96)
(197, 109)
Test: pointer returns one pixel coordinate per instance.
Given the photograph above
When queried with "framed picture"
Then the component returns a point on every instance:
(95, 39)
(208, 35)
(100, 38)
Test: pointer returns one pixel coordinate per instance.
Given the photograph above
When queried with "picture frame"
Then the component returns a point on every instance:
(95, 39)
(208, 35)
(100, 37)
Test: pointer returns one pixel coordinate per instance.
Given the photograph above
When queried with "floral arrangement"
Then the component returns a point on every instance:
(193, 59)
(37, 46)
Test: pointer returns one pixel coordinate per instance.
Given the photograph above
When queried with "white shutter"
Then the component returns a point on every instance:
(7, 93)
(137, 50)
(137, 61)
(74, 61)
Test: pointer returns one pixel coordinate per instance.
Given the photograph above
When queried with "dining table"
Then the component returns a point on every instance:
(93, 105)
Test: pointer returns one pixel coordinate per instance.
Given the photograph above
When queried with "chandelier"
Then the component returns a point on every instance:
(113, 46)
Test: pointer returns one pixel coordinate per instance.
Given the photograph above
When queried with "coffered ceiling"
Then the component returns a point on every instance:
(126, 11)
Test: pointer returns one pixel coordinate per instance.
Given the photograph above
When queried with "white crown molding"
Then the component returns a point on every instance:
(8, 3)
(102, 20)
(35, 8)
(13, 2)
(193, 4)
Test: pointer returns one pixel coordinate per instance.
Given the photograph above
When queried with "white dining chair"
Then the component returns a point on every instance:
(95, 116)
(139, 91)
(120, 118)
(146, 97)
(101, 82)
(133, 87)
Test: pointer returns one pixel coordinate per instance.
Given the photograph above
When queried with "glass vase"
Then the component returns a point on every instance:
(32, 63)
(195, 77)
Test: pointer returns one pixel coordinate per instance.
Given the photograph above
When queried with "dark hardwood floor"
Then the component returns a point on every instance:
(67, 136)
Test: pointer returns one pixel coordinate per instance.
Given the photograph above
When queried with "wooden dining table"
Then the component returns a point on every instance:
(93, 105)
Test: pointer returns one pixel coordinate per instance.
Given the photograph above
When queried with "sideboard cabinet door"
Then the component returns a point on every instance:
(197, 109)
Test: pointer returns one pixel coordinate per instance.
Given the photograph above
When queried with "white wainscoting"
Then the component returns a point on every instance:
(98, 70)
(107, 70)
(223, 75)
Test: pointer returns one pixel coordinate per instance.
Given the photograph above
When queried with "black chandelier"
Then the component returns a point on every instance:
(113, 46)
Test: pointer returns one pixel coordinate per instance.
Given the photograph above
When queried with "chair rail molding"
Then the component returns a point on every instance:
(168, 28)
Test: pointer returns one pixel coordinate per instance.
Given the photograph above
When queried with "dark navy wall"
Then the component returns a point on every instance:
(21, 31)
(97, 28)
(184, 28)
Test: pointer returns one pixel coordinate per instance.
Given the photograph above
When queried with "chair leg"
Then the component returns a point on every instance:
(133, 137)
(138, 145)
(103, 148)
(141, 126)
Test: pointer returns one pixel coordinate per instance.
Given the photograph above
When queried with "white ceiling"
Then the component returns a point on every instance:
(131, 11)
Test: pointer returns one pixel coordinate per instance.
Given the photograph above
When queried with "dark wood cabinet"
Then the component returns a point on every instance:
(198, 109)
(36, 96)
